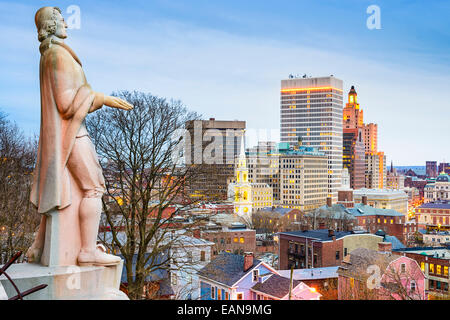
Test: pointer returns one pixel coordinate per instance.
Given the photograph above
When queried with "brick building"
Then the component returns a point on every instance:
(320, 248)
(434, 263)
(434, 216)
(236, 238)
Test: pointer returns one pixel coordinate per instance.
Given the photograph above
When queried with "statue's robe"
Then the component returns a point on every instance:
(66, 99)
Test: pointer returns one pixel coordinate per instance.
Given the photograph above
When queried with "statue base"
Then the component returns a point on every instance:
(65, 282)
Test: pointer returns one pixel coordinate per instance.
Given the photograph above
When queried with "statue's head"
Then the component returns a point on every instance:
(49, 21)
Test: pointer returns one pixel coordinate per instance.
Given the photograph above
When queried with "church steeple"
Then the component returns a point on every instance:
(242, 190)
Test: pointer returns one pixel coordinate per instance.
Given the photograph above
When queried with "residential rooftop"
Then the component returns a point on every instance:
(321, 234)
(226, 268)
(310, 274)
(275, 285)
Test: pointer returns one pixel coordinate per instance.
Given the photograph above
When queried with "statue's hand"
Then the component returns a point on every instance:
(118, 103)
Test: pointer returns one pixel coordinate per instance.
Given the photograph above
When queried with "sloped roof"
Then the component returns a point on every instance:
(396, 244)
(339, 211)
(276, 286)
(310, 274)
(320, 234)
(226, 268)
(360, 259)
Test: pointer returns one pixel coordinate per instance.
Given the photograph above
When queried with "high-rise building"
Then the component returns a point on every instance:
(431, 169)
(263, 166)
(353, 115)
(312, 111)
(444, 167)
(371, 137)
(354, 157)
(375, 170)
(213, 145)
(303, 177)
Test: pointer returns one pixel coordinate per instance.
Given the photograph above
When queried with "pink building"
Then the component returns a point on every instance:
(379, 275)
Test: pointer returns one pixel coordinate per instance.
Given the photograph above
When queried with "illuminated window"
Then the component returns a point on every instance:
(431, 268)
(445, 271)
(241, 240)
(438, 269)
(422, 266)
(235, 239)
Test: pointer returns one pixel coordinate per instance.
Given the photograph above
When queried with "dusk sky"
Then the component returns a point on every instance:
(225, 59)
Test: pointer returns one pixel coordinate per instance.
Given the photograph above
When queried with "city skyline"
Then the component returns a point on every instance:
(201, 51)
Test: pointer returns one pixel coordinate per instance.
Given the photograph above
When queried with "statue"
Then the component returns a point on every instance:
(66, 160)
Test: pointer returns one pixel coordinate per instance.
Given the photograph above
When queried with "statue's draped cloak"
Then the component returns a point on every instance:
(66, 98)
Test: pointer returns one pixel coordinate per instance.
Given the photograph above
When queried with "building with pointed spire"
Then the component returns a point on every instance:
(242, 188)
(353, 115)
(370, 167)
(353, 152)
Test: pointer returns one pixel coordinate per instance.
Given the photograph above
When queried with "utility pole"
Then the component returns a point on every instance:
(291, 281)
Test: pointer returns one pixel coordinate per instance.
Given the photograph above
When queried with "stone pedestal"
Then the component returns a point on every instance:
(65, 282)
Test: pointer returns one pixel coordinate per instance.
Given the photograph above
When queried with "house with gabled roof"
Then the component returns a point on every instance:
(235, 277)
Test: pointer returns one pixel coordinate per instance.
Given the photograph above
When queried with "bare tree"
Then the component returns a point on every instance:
(18, 218)
(147, 203)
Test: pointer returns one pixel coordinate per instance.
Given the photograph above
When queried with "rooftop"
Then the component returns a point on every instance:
(339, 211)
(226, 268)
(310, 274)
(435, 205)
(275, 285)
(378, 192)
(320, 234)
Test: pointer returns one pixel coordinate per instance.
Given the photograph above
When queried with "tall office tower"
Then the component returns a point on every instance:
(375, 170)
(353, 141)
(431, 169)
(213, 145)
(353, 115)
(312, 110)
(354, 157)
(371, 137)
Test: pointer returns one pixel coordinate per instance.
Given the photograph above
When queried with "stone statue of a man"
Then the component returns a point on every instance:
(64, 144)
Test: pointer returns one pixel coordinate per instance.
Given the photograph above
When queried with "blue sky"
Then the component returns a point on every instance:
(225, 59)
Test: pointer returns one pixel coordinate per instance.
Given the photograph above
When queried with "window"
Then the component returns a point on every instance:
(202, 256)
(413, 286)
(345, 252)
(241, 240)
(212, 293)
(445, 271)
(422, 266)
(438, 269)
(338, 255)
(403, 268)
(431, 268)
(235, 239)
(239, 296)
(226, 296)
(255, 275)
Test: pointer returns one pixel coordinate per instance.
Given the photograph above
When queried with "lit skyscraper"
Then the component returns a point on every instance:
(312, 110)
